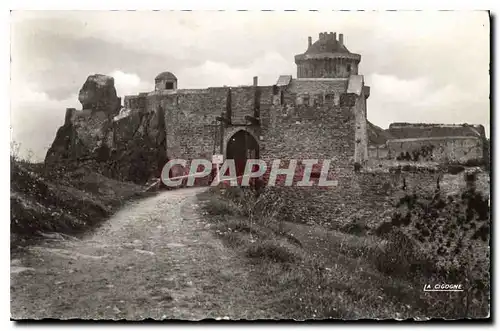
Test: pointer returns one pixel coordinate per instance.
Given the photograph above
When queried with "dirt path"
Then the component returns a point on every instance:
(155, 258)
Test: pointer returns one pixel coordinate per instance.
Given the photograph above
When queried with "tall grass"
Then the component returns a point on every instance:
(66, 200)
(345, 273)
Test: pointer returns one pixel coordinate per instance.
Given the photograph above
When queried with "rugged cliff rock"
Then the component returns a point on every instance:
(99, 94)
(138, 151)
(125, 145)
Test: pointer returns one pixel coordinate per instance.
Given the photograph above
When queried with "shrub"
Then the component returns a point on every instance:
(233, 193)
(354, 227)
(475, 163)
(383, 229)
(443, 236)
(271, 250)
(408, 167)
(234, 239)
(455, 169)
(217, 206)
(402, 257)
(242, 226)
(357, 167)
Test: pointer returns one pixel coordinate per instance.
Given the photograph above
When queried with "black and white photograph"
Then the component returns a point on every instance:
(308, 165)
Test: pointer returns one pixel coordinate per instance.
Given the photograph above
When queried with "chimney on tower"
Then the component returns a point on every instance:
(309, 41)
(341, 39)
(255, 80)
(335, 36)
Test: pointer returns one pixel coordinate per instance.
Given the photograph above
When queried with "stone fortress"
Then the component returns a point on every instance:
(321, 114)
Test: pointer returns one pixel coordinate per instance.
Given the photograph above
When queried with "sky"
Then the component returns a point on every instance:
(430, 67)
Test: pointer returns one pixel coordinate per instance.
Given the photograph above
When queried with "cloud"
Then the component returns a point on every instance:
(212, 73)
(35, 118)
(398, 90)
(129, 83)
(59, 63)
(418, 100)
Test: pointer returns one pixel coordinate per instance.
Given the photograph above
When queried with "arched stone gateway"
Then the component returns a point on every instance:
(241, 146)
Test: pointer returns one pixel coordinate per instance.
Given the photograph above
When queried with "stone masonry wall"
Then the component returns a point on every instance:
(137, 102)
(287, 130)
(378, 152)
(190, 118)
(362, 196)
(368, 197)
(330, 68)
(361, 136)
(192, 131)
(445, 149)
(242, 103)
(416, 130)
(266, 97)
(303, 131)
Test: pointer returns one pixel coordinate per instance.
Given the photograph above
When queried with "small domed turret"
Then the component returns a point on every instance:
(165, 81)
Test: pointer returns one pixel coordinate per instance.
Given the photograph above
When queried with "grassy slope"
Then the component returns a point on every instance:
(65, 201)
(319, 273)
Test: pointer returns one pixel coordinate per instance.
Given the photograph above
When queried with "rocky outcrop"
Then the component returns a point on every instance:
(99, 94)
(126, 145)
(139, 146)
(81, 136)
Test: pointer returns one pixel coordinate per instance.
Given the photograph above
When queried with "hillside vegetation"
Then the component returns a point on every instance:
(68, 200)
(360, 271)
